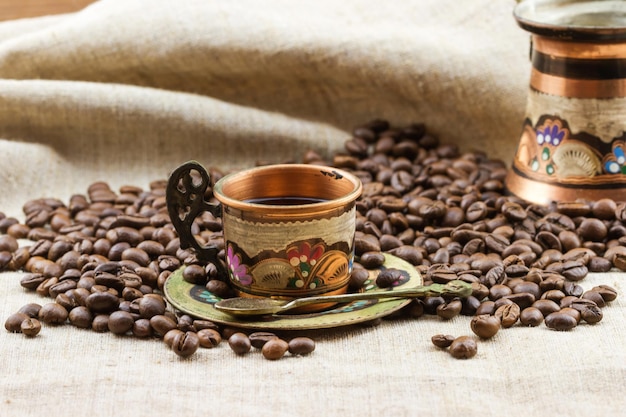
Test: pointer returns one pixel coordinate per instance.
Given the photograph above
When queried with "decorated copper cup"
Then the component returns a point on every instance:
(288, 229)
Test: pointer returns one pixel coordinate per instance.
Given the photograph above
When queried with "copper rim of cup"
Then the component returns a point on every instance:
(335, 187)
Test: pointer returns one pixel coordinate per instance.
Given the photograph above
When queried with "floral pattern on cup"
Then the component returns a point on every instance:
(303, 265)
(304, 257)
(236, 268)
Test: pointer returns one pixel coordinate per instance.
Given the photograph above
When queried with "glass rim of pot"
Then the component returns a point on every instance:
(591, 20)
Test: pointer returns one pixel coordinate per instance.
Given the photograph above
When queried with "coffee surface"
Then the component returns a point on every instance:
(285, 201)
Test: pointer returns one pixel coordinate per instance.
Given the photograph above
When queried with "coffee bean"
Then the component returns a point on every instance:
(522, 299)
(81, 317)
(476, 211)
(486, 307)
(572, 312)
(508, 314)
(142, 328)
(485, 326)
(546, 306)
(102, 302)
(151, 306)
(574, 270)
(120, 322)
(463, 347)
(560, 321)
(450, 309)
(442, 340)
(388, 277)
(53, 313)
(274, 349)
(607, 292)
(531, 316)
(161, 324)
(301, 345)
(572, 289)
(591, 314)
(604, 209)
(219, 288)
(431, 303)
(498, 291)
(30, 309)
(415, 308)
(209, 338)
(13, 323)
(470, 305)
(358, 278)
(441, 274)
(30, 327)
(185, 344)
(496, 243)
(372, 260)
(554, 295)
(592, 229)
(409, 253)
(195, 274)
(599, 264)
(258, 339)
(528, 287)
(8, 243)
(239, 343)
(169, 337)
(594, 296)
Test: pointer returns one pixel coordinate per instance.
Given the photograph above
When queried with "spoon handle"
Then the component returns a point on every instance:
(453, 288)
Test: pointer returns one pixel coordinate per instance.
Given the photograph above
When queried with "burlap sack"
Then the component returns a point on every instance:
(124, 91)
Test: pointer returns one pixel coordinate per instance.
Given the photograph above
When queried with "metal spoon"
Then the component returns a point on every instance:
(243, 306)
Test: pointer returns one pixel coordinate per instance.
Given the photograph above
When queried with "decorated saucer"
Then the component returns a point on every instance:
(196, 301)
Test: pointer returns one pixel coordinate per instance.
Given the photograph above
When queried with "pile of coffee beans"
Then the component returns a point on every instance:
(103, 258)
(448, 214)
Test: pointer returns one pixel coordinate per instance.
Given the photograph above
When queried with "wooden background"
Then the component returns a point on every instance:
(16, 9)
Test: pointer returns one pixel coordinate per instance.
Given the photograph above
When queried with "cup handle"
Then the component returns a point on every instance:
(185, 201)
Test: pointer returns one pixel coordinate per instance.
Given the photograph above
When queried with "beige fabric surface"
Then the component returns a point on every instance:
(124, 91)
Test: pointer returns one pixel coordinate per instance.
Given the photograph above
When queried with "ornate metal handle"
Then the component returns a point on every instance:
(185, 201)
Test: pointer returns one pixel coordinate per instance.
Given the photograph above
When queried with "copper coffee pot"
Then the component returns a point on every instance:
(573, 142)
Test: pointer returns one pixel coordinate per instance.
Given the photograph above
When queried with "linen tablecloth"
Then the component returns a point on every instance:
(124, 91)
